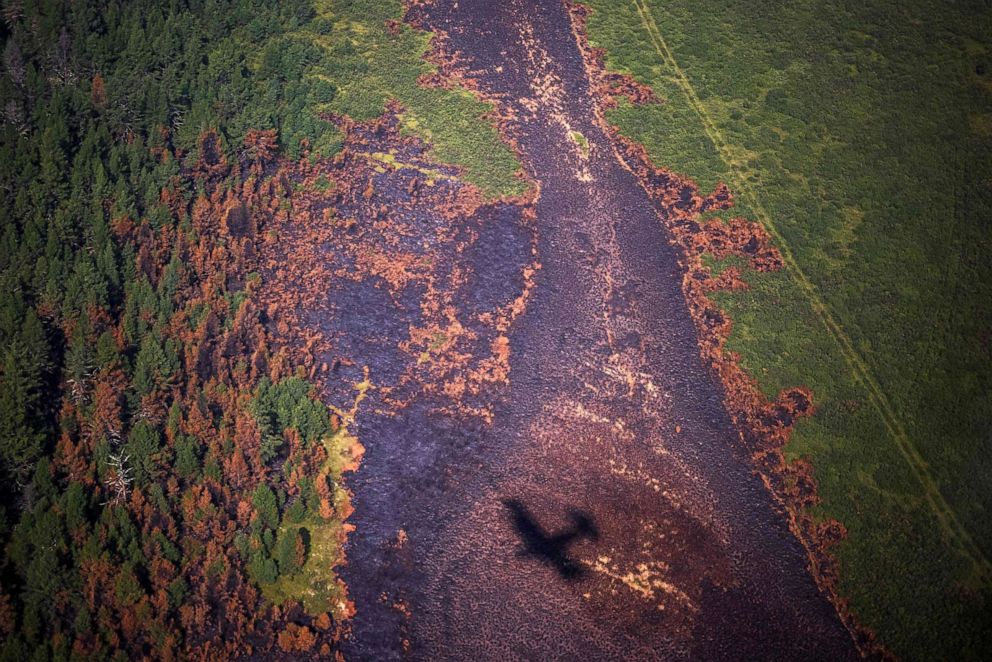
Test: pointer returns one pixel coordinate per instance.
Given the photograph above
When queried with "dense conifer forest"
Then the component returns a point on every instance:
(133, 354)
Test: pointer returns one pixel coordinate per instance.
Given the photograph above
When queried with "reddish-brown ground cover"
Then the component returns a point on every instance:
(383, 214)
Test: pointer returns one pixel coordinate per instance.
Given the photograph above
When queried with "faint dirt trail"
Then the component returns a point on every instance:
(859, 368)
(594, 501)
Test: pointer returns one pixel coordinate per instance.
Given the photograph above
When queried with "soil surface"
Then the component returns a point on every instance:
(578, 490)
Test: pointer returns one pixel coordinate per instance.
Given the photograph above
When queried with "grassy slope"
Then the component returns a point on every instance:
(862, 133)
(370, 66)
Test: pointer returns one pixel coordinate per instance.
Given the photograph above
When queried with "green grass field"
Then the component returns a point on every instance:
(369, 66)
(860, 134)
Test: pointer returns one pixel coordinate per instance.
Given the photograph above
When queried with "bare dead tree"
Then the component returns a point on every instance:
(119, 478)
(13, 114)
(80, 372)
(13, 60)
(62, 59)
(178, 118)
(12, 12)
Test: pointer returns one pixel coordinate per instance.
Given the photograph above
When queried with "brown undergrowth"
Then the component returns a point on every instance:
(384, 215)
(764, 426)
(383, 212)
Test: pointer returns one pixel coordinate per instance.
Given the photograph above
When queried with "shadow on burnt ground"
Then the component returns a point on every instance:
(604, 401)
(551, 548)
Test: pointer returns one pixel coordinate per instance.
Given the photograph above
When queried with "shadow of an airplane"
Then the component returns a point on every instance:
(552, 549)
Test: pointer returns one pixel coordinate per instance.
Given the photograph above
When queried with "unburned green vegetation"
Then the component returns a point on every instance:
(293, 556)
(370, 58)
(857, 133)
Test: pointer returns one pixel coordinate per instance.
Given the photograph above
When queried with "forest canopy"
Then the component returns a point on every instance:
(162, 463)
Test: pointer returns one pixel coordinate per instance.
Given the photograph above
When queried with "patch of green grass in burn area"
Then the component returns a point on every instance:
(314, 583)
(861, 130)
(295, 560)
(370, 66)
(580, 141)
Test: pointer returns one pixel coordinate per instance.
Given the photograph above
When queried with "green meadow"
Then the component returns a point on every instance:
(368, 66)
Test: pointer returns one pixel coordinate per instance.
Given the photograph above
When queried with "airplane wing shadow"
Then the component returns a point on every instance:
(551, 548)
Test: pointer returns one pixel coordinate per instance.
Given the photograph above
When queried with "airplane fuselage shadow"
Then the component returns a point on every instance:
(551, 548)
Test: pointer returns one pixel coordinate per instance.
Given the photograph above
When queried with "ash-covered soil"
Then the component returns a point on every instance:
(550, 471)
